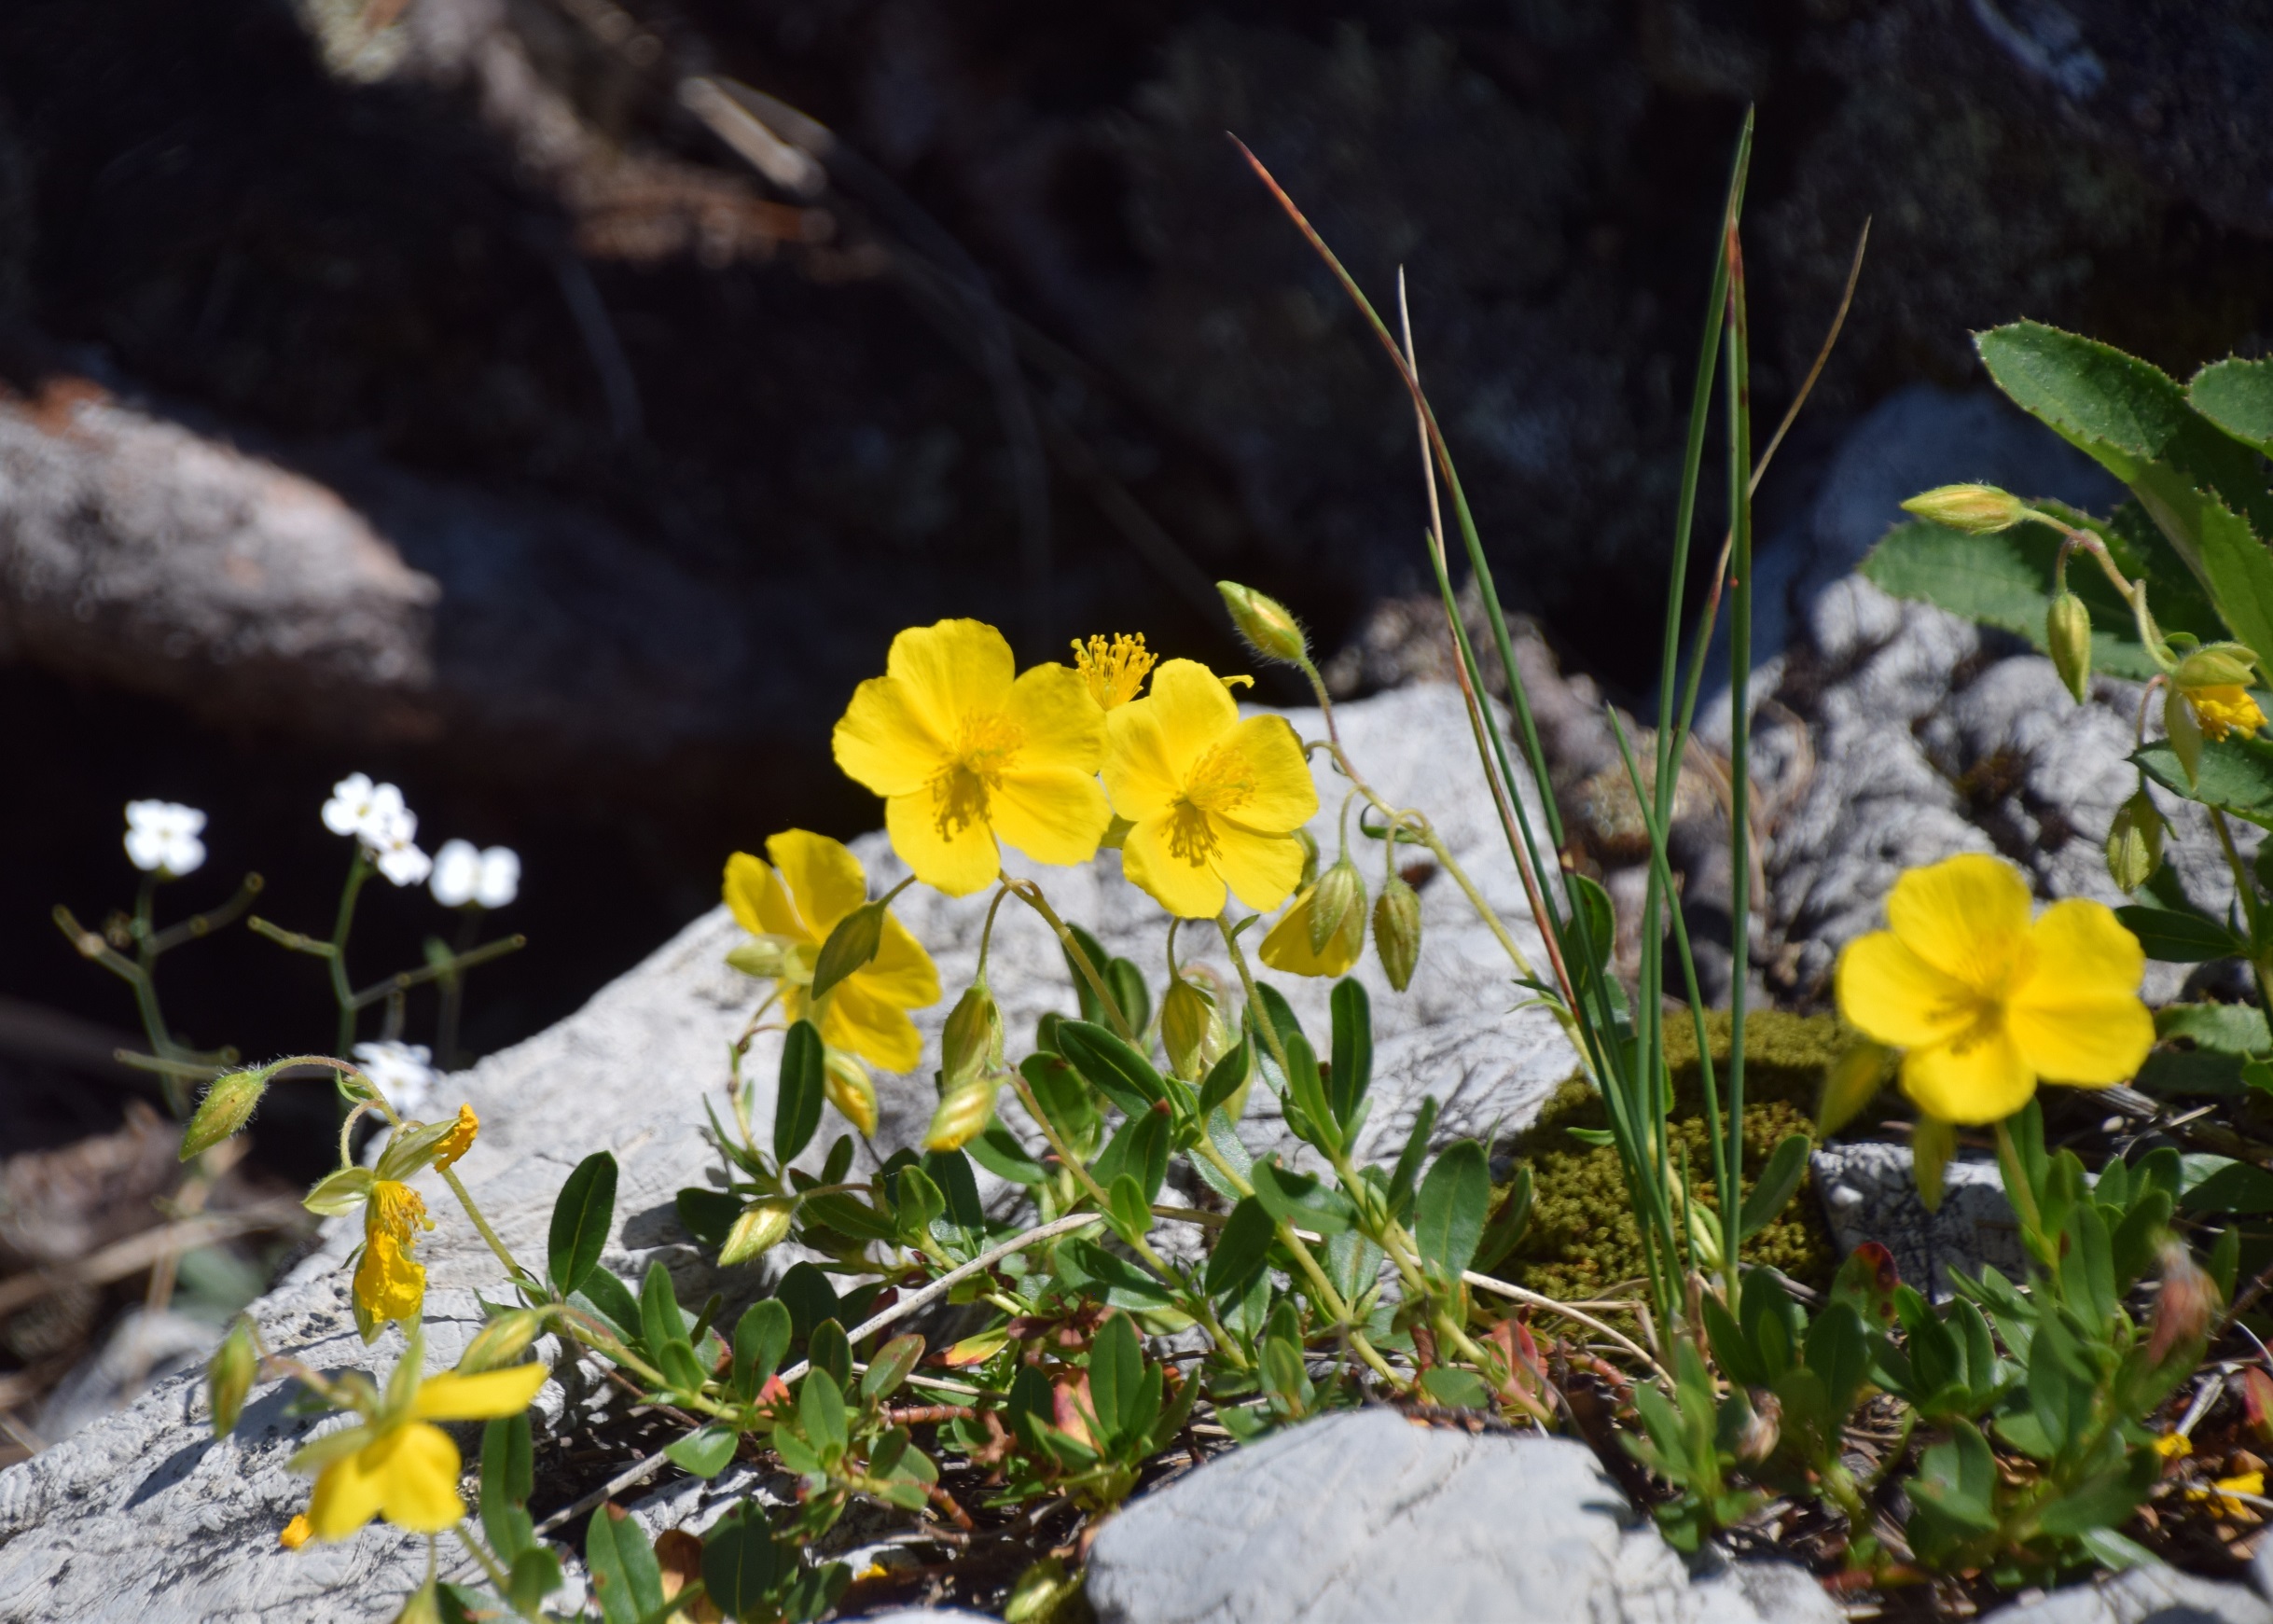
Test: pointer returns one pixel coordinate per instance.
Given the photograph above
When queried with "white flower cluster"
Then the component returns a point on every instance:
(404, 1075)
(375, 814)
(162, 838)
(464, 873)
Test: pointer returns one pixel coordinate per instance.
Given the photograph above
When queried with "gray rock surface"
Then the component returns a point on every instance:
(143, 1517)
(1368, 1517)
(2148, 1595)
(1870, 1193)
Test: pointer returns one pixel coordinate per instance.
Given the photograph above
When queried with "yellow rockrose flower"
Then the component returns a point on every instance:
(1288, 945)
(397, 1464)
(964, 755)
(1114, 670)
(390, 1283)
(1212, 801)
(1984, 1002)
(2224, 708)
(793, 903)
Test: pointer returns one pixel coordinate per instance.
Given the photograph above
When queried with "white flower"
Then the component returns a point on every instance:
(162, 838)
(377, 816)
(403, 1073)
(464, 873)
(350, 806)
(404, 863)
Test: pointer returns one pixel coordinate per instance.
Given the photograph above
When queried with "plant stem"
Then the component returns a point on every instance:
(513, 1272)
(1030, 894)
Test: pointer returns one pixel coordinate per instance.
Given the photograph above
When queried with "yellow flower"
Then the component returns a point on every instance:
(459, 1140)
(296, 1533)
(795, 901)
(1114, 671)
(1288, 945)
(2174, 1446)
(2224, 708)
(397, 1464)
(2220, 1495)
(962, 755)
(1212, 801)
(390, 1283)
(1988, 1004)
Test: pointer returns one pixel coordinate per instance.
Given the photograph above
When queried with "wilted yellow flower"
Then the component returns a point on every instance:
(812, 883)
(2224, 708)
(1288, 945)
(2221, 1495)
(1214, 800)
(459, 1140)
(963, 754)
(1986, 1003)
(1116, 671)
(397, 1464)
(390, 1283)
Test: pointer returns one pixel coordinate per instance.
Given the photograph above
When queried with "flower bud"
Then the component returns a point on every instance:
(227, 1105)
(1187, 1022)
(1397, 931)
(852, 946)
(972, 1040)
(1977, 509)
(846, 1082)
(1270, 630)
(2135, 842)
(230, 1377)
(965, 1110)
(1339, 893)
(763, 1225)
(2184, 731)
(2184, 1307)
(2068, 635)
(502, 1341)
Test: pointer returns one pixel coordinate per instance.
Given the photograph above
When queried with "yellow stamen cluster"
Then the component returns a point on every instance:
(2224, 708)
(1116, 669)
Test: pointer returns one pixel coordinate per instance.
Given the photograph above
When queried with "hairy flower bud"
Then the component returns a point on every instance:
(1266, 623)
(1191, 1030)
(847, 1083)
(2135, 842)
(1340, 892)
(227, 1105)
(965, 1110)
(972, 1042)
(762, 1225)
(2068, 635)
(230, 1377)
(2183, 1309)
(502, 1341)
(1397, 931)
(1977, 509)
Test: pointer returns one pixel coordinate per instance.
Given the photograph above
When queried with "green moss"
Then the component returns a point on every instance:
(1584, 1241)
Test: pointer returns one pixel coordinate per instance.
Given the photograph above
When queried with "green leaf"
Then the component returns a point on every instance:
(704, 1452)
(821, 1409)
(828, 1349)
(1127, 1209)
(1353, 1068)
(1242, 1248)
(1455, 1197)
(1839, 1350)
(1083, 1263)
(623, 1565)
(1779, 1181)
(1225, 1076)
(1508, 1225)
(707, 1215)
(809, 1297)
(661, 1320)
(1309, 1114)
(2235, 775)
(1731, 1349)
(951, 1169)
(535, 1573)
(998, 1150)
(1128, 991)
(1455, 1389)
(2237, 1029)
(796, 1104)
(2003, 580)
(890, 1367)
(1112, 1066)
(2060, 1383)
(1138, 1149)
(1116, 1371)
(2238, 396)
(1401, 1177)
(852, 946)
(2237, 1188)
(1958, 1477)
(739, 1563)
(611, 1300)
(1301, 1199)
(507, 1479)
(761, 1338)
(2178, 939)
(581, 1218)
(1091, 1009)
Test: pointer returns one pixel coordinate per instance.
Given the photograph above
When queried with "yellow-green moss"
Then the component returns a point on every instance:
(1583, 1241)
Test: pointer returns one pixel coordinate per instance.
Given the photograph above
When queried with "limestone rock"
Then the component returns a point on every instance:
(2148, 1595)
(1870, 1193)
(1366, 1517)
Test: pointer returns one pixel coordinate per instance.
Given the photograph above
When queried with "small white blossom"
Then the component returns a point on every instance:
(403, 1073)
(377, 816)
(403, 864)
(350, 807)
(162, 838)
(464, 873)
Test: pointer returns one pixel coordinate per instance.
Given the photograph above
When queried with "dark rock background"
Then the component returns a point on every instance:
(681, 448)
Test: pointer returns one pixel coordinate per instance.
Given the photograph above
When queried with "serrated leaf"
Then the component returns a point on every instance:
(2238, 396)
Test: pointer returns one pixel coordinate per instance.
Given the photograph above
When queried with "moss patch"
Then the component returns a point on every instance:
(1583, 1241)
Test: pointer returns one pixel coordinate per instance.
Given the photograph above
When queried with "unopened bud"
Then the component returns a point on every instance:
(1270, 630)
(230, 1377)
(2183, 1309)
(965, 1110)
(851, 946)
(763, 1225)
(2068, 635)
(1188, 1022)
(2184, 731)
(1397, 931)
(1977, 510)
(228, 1106)
(502, 1341)
(972, 1042)
(2135, 842)
(847, 1083)
(1340, 891)
(1762, 1428)
(422, 1606)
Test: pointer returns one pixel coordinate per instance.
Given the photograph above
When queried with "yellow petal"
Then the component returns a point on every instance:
(1054, 815)
(1278, 795)
(1262, 868)
(389, 1283)
(1139, 778)
(485, 1396)
(755, 896)
(1967, 916)
(884, 743)
(1891, 995)
(825, 880)
(296, 1533)
(347, 1494)
(1058, 719)
(418, 1471)
(902, 973)
(950, 671)
(957, 858)
(459, 1140)
(1980, 1078)
(2078, 1019)
(876, 1031)
(1187, 886)
(1288, 947)
(1192, 710)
